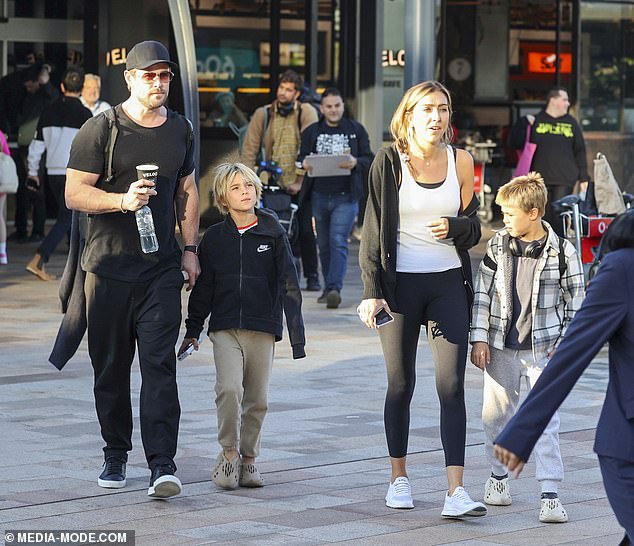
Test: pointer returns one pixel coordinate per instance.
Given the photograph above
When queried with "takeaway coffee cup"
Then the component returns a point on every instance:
(147, 172)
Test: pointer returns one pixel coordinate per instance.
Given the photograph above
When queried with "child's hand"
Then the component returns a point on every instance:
(480, 354)
(509, 459)
(186, 343)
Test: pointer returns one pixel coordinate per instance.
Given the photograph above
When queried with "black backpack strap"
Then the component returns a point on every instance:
(562, 258)
(113, 131)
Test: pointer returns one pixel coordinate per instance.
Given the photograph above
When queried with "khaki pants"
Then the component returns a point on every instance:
(243, 360)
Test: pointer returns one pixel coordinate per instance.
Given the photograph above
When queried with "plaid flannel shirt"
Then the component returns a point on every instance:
(554, 300)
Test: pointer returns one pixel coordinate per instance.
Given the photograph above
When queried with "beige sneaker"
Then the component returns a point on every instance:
(38, 268)
(226, 473)
(552, 511)
(250, 476)
(497, 492)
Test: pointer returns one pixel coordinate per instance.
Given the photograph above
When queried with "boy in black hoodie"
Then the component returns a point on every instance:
(247, 277)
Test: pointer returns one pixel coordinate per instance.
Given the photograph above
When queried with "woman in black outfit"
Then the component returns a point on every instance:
(419, 222)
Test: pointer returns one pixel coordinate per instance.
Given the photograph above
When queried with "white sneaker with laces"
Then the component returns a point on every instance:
(399, 494)
(552, 511)
(497, 492)
(460, 504)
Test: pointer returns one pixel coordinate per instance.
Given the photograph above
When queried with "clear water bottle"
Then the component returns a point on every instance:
(147, 234)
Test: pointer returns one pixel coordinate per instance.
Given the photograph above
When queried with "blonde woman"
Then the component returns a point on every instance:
(419, 223)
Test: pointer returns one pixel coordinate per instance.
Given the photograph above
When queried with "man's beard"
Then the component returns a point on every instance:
(152, 105)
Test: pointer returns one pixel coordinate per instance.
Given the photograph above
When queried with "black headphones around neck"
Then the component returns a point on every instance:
(285, 109)
(533, 249)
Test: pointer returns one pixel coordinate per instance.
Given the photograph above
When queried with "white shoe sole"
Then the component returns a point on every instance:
(498, 502)
(165, 487)
(402, 505)
(473, 513)
(109, 484)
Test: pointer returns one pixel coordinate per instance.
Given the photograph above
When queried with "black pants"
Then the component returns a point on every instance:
(57, 185)
(121, 314)
(438, 301)
(306, 245)
(555, 192)
(26, 199)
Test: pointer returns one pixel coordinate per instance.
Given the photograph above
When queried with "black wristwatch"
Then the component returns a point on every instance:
(191, 248)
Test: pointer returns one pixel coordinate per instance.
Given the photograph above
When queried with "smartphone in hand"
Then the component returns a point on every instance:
(187, 350)
(382, 317)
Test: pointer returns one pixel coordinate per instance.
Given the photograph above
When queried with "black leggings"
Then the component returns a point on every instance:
(439, 301)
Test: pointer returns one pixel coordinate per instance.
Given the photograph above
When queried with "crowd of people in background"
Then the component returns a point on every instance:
(523, 317)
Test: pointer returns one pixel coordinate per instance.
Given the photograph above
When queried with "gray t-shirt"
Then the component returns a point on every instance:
(519, 335)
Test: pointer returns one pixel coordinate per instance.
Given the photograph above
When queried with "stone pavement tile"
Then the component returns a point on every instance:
(342, 532)
(307, 502)
(236, 530)
(313, 517)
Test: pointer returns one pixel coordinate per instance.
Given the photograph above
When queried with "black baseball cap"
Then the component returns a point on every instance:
(145, 54)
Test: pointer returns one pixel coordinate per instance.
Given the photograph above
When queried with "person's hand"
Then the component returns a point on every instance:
(33, 183)
(295, 187)
(509, 459)
(190, 266)
(350, 164)
(439, 229)
(138, 195)
(186, 342)
(480, 354)
(370, 307)
(307, 167)
(45, 74)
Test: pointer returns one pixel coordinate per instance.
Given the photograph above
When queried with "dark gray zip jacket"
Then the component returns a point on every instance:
(377, 253)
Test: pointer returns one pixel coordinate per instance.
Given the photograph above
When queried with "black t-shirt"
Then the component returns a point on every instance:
(332, 141)
(113, 249)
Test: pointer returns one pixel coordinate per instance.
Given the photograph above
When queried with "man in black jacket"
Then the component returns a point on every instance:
(56, 128)
(560, 156)
(335, 198)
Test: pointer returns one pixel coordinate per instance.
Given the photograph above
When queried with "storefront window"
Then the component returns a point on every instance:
(607, 66)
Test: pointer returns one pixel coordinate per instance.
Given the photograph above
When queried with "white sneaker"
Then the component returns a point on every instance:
(552, 511)
(460, 505)
(399, 494)
(497, 492)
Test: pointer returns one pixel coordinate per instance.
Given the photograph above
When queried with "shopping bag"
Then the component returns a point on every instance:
(8, 174)
(607, 192)
(526, 158)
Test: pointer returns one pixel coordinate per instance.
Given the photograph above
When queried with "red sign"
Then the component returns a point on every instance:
(543, 62)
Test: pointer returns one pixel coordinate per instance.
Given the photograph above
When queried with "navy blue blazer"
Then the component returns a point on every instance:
(607, 314)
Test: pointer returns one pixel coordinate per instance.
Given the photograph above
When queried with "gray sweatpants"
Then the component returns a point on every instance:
(502, 379)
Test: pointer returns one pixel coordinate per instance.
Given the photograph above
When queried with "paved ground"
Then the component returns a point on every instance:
(323, 458)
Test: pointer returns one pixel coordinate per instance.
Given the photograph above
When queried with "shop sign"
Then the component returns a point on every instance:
(116, 56)
(540, 62)
(392, 57)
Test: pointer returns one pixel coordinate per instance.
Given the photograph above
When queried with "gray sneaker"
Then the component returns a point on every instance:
(226, 473)
(250, 476)
(333, 299)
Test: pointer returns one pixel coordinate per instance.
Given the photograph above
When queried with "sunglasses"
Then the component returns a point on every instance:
(150, 77)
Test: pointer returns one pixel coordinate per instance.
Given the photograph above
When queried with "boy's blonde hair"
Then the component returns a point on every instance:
(524, 192)
(224, 175)
(400, 126)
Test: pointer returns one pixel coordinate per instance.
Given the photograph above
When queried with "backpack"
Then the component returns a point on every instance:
(307, 95)
(8, 174)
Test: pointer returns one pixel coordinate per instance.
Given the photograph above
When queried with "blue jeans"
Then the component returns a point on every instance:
(334, 215)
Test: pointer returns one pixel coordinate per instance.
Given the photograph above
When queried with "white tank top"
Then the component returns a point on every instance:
(418, 251)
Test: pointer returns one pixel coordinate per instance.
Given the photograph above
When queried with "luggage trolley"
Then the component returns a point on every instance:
(275, 199)
(482, 153)
(587, 230)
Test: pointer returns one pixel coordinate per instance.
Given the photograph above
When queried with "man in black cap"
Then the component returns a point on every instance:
(132, 297)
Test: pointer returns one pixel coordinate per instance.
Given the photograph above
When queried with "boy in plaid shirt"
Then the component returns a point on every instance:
(525, 297)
